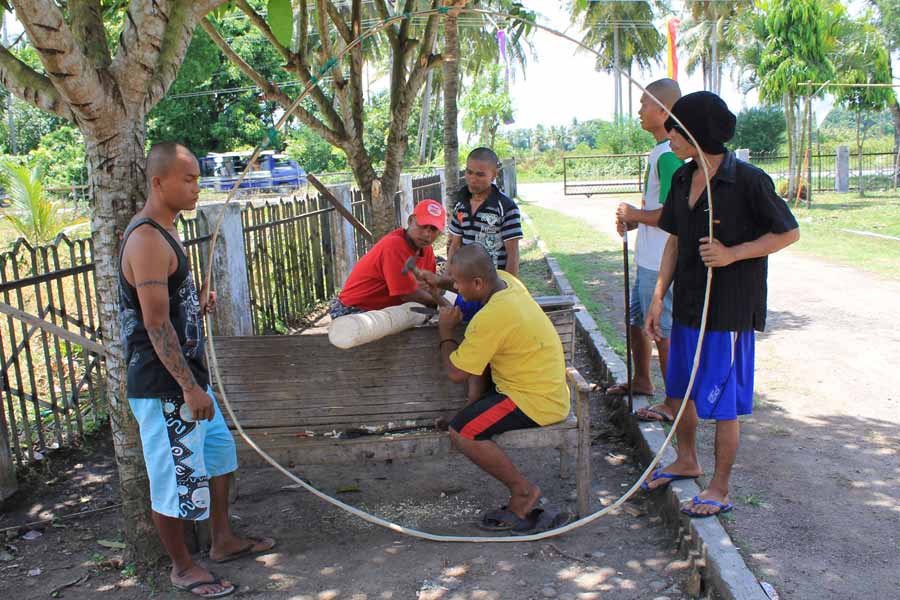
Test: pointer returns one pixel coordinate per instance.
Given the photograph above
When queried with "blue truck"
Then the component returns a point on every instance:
(271, 172)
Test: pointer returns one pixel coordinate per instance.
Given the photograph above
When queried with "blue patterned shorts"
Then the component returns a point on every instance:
(182, 455)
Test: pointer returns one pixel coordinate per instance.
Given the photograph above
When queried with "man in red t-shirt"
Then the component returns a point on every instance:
(376, 281)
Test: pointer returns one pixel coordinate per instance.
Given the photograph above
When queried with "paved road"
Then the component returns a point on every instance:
(817, 484)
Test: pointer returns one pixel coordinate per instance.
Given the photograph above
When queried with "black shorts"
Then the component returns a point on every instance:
(488, 416)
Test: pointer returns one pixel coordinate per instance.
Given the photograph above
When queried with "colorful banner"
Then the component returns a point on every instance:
(501, 42)
(671, 34)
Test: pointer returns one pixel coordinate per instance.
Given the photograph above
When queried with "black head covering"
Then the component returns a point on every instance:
(707, 117)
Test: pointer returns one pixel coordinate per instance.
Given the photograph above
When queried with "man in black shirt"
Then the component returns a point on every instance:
(750, 221)
(188, 451)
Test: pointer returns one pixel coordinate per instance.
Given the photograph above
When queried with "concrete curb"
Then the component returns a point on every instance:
(705, 541)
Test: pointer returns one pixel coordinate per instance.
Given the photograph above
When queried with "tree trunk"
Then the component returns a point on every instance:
(859, 161)
(425, 120)
(434, 135)
(895, 114)
(714, 59)
(485, 135)
(617, 77)
(801, 148)
(451, 112)
(792, 149)
(630, 113)
(117, 185)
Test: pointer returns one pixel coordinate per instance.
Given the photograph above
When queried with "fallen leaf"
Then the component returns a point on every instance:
(34, 572)
(634, 511)
(350, 489)
(32, 535)
(112, 544)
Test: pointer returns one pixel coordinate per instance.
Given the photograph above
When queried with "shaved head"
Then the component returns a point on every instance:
(163, 157)
(485, 155)
(665, 90)
(473, 261)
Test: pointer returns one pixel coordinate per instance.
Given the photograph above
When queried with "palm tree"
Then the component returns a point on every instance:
(710, 36)
(479, 46)
(625, 36)
(451, 95)
(33, 215)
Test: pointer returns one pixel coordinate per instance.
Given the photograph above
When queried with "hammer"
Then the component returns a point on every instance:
(410, 267)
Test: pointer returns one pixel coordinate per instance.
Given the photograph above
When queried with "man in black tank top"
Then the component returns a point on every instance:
(188, 449)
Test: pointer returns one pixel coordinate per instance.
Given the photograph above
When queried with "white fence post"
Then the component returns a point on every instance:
(743, 154)
(842, 169)
(342, 235)
(445, 199)
(509, 184)
(229, 270)
(407, 202)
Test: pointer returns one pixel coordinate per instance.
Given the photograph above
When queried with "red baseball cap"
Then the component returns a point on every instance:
(430, 212)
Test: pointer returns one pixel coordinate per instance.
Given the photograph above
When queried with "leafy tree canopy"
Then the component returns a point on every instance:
(760, 130)
(202, 109)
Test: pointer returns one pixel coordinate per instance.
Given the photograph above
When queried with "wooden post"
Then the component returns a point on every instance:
(407, 202)
(342, 236)
(8, 485)
(742, 154)
(229, 270)
(583, 412)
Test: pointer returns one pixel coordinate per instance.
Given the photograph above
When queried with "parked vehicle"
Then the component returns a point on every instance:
(220, 172)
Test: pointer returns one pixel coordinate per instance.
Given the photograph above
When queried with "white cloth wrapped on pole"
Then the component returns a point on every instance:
(357, 329)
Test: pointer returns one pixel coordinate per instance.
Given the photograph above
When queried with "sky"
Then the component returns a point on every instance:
(563, 83)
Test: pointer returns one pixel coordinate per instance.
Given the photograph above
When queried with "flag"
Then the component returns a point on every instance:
(671, 30)
(501, 43)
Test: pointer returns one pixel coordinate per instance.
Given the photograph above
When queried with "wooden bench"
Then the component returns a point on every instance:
(306, 402)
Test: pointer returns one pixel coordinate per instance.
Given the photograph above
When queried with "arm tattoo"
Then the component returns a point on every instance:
(151, 283)
(168, 348)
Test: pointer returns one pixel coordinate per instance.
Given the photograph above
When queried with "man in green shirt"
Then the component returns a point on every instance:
(651, 241)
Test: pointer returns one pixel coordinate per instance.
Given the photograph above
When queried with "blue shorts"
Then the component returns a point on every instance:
(182, 455)
(467, 308)
(723, 388)
(642, 295)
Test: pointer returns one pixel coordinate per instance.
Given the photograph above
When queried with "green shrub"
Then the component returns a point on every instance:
(761, 130)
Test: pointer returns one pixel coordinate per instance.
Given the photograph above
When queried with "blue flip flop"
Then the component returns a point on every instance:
(669, 477)
(723, 508)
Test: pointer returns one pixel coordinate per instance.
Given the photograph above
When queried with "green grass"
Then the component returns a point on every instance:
(533, 270)
(821, 230)
(591, 261)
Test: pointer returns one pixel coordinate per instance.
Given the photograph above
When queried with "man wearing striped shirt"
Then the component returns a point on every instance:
(484, 215)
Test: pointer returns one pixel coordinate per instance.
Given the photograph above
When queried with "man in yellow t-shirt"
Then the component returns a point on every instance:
(513, 336)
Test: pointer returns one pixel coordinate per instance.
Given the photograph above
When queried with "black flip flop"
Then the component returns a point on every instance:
(501, 519)
(245, 551)
(543, 519)
(215, 581)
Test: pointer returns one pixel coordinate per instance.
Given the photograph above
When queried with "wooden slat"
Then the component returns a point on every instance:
(285, 446)
(305, 383)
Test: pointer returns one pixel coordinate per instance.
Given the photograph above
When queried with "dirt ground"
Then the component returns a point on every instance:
(817, 480)
(325, 554)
